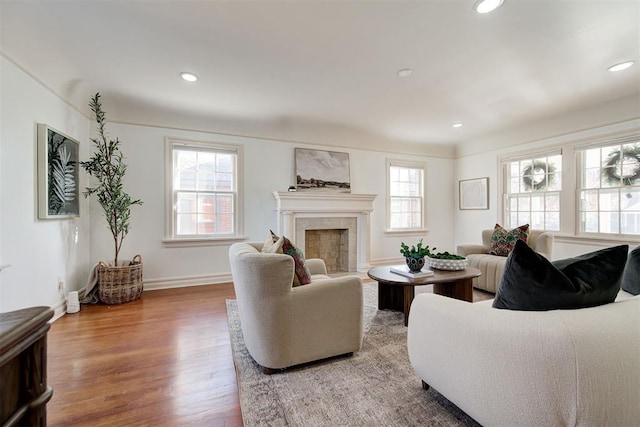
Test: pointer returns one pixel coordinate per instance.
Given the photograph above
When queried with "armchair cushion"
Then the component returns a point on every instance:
(531, 282)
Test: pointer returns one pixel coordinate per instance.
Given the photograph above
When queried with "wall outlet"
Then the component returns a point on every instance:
(60, 284)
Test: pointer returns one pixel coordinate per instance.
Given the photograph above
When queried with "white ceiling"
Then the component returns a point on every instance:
(326, 72)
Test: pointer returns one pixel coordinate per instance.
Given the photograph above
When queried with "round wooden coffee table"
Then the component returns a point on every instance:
(396, 292)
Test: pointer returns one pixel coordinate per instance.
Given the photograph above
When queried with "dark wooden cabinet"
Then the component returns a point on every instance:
(23, 367)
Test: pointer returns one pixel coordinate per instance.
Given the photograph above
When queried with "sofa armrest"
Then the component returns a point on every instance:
(544, 244)
(316, 266)
(469, 249)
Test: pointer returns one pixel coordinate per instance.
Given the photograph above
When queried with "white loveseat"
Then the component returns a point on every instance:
(492, 266)
(283, 325)
(544, 368)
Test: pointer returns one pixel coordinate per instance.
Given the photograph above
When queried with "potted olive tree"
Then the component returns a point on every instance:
(121, 281)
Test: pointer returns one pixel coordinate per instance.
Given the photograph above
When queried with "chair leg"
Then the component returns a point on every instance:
(269, 371)
(425, 386)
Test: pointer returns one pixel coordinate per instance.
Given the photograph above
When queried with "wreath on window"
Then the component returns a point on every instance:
(538, 175)
(614, 170)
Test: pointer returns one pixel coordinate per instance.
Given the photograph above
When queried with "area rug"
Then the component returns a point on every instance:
(376, 386)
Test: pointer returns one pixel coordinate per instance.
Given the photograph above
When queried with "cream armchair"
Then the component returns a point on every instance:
(492, 266)
(285, 326)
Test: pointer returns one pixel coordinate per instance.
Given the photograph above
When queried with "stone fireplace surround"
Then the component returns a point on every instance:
(298, 211)
(346, 227)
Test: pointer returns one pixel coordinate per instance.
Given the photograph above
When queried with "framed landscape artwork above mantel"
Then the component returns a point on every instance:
(57, 174)
(320, 170)
(474, 193)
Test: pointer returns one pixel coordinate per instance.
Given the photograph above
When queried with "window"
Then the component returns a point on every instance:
(533, 191)
(609, 188)
(203, 194)
(405, 196)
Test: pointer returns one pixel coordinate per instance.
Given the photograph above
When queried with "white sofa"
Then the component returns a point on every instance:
(492, 266)
(525, 368)
(283, 325)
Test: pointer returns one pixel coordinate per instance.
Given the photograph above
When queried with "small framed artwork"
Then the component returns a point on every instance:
(319, 170)
(57, 174)
(474, 193)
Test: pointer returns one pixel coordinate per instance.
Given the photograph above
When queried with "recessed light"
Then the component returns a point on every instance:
(189, 77)
(621, 66)
(486, 6)
(457, 125)
(405, 72)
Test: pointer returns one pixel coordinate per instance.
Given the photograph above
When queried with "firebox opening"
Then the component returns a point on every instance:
(330, 245)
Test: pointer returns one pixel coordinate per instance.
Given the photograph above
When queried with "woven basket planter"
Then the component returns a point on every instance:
(120, 284)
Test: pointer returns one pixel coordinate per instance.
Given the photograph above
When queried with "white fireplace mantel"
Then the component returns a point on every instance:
(291, 205)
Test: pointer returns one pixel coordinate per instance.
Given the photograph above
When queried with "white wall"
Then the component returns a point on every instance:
(39, 251)
(269, 166)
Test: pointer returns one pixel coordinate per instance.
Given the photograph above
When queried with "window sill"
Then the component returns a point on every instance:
(411, 232)
(597, 240)
(203, 241)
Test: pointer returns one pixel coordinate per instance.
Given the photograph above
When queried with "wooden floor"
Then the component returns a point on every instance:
(163, 360)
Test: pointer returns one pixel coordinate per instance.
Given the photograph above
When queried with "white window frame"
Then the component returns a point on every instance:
(170, 208)
(504, 173)
(406, 164)
(570, 194)
(605, 142)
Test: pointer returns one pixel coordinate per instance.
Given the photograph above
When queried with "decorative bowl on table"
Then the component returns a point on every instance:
(447, 264)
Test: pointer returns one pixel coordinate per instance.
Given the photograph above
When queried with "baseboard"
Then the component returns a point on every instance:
(59, 310)
(183, 282)
(386, 261)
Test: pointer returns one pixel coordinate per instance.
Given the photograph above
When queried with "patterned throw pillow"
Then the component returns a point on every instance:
(303, 275)
(282, 245)
(503, 241)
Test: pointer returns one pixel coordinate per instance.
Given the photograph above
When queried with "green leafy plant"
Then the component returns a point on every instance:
(416, 251)
(445, 255)
(108, 167)
(420, 251)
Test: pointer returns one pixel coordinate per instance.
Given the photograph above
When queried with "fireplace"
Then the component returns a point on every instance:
(329, 245)
(332, 239)
(341, 217)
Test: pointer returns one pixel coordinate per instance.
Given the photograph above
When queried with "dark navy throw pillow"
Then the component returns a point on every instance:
(533, 283)
(631, 276)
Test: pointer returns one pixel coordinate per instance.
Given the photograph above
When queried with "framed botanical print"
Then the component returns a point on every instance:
(57, 174)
